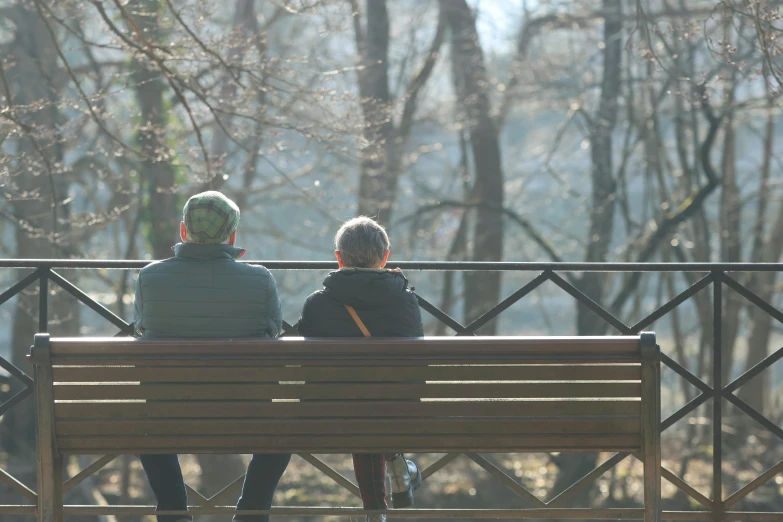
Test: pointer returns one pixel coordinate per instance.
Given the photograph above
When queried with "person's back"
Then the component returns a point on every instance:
(363, 298)
(380, 297)
(204, 292)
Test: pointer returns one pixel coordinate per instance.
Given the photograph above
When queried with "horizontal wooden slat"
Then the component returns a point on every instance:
(343, 391)
(328, 374)
(248, 409)
(298, 346)
(369, 359)
(423, 426)
(344, 444)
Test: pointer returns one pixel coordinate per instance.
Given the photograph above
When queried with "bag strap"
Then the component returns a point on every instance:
(358, 321)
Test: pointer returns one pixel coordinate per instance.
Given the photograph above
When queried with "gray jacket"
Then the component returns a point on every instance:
(203, 292)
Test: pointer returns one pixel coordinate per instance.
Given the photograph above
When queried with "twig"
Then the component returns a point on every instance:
(29, 133)
(149, 51)
(201, 43)
(75, 80)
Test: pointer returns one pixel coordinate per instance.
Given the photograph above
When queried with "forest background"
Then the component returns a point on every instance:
(480, 130)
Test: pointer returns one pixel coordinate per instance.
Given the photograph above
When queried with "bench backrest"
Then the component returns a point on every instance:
(487, 394)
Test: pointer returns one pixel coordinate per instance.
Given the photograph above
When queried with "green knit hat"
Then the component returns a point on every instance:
(210, 218)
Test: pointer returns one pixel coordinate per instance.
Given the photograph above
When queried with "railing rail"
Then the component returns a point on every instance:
(718, 276)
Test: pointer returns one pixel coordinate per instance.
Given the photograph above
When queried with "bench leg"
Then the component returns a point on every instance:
(58, 489)
(46, 490)
(652, 491)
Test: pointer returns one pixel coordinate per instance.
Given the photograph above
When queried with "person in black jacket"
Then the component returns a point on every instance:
(385, 307)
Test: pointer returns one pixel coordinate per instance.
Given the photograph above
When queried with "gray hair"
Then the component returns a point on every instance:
(362, 242)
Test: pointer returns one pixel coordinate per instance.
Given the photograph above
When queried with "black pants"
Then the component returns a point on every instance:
(165, 477)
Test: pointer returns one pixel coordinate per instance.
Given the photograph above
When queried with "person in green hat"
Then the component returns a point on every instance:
(204, 292)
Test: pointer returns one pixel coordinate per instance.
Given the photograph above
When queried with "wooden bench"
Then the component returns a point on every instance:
(293, 395)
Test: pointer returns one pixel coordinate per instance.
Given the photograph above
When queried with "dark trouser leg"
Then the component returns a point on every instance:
(370, 469)
(165, 477)
(263, 474)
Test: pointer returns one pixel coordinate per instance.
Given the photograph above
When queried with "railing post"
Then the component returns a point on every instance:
(651, 426)
(43, 301)
(717, 396)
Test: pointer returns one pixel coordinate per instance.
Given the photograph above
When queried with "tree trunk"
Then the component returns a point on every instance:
(755, 391)
(36, 82)
(482, 289)
(379, 174)
(730, 218)
(765, 249)
(245, 29)
(573, 467)
(162, 205)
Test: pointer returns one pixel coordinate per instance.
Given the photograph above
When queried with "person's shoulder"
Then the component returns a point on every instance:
(247, 269)
(254, 268)
(315, 299)
(157, 266)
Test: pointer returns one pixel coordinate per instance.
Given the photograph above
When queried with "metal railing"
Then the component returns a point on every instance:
(716, 276)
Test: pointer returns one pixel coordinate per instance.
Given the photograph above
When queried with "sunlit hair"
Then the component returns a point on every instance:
(362, 242)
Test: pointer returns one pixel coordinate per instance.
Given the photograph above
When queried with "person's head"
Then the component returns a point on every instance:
(209, 218)
(361, 243)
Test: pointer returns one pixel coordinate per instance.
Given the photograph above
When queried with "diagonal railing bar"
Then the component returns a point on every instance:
(508, 302)
(510, 483)
(16, 484)
(16, 372)
(687, 488)
(331, 473)
(589, 303)
(685, 410)
(757, 369)
(685, 374)
(681, 484)
(200, 499)
(86, 472)
(587, 480)
(91, 303)
(20, 286)
(223, 493)
(754, 414)
(694, 289)
(16, 399)
(754, 484)
(442, 316)
(752, 297)
(22, 394)
(439, 464)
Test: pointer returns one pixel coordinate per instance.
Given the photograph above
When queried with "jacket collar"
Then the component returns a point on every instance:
(205, 252)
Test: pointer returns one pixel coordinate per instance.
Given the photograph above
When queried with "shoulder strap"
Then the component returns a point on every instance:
(358, 321)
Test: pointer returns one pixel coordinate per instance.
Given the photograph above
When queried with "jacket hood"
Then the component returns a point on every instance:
(362, 287)
(203, 251)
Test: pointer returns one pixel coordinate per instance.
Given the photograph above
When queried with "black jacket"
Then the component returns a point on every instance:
(381, 298)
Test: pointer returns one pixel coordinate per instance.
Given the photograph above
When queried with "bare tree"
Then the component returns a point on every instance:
(384, 141)
(486, 193)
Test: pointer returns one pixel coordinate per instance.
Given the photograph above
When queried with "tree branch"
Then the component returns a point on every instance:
(685, 210)
(420, 80)
(524, 223)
